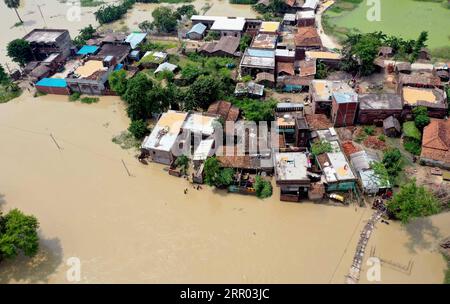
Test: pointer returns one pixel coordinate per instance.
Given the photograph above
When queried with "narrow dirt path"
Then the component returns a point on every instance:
(327, 41)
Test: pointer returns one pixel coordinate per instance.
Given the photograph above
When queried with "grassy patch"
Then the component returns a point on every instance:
(415, 16)
(89, 100)
(126, 140)
(91, 3)
(7, 94)
(74, 97)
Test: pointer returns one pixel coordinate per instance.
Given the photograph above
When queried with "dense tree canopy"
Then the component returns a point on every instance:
(164, 19)
(86, 33)
(118, 81)
(18, 234)
(421, 118)
(19, 50)
(413, 201)
(138, 128)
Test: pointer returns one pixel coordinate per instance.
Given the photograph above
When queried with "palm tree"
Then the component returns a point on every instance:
(14, 4)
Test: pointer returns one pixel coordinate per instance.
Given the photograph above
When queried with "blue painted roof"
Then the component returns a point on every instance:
(345, 97)
(135, 38)
(52, 82)
(118, 67)
(87, 49)
(260, 53)
(199, 28)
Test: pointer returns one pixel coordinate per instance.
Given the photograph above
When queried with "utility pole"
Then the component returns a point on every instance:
(42, 15)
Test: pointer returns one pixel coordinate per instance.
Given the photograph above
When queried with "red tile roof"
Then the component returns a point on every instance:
(307, 37)
(436, 140)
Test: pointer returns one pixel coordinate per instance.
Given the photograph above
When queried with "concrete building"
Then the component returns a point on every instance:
(264, 41)
(91, 76)
(433, 99)
(228, 26)
(306, 18)
(374, 108)
(160, 142)
(45, 42)
(291, 175)
(255, 61)
(343, 109)
(321, 92)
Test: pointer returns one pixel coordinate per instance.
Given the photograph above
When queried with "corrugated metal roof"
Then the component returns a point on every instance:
(135, 38)
(199, 28)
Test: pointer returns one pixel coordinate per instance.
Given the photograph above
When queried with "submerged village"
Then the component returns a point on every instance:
(248, 104)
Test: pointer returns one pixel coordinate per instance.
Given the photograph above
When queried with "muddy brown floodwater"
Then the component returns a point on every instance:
(144, 229)
(60, 14)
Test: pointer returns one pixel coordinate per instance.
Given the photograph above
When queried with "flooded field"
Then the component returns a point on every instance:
(144, 229)
(67, 15)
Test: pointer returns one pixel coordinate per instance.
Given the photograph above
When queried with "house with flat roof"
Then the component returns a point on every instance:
(321, 93)
(264, 41)
(44, 42)
(435, 100)
(306, 18)
(374, 108)
(310, 5)
(269, 27)
(228, 26)
(331, 59)
(164, 136)
(343, 108)
(90, 76)
(255, 61)
(292, 175)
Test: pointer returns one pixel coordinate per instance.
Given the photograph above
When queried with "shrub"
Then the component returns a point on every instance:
(263, 187)
(138, 128)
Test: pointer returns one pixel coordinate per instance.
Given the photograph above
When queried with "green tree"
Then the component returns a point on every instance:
(224, 178)
(205, 90)
(138, 128)
(413, 201)
(392, 161)
(18, 234)
(421, 118)
(263, 187)
(164, 19)
(14, 4)
(182, 162)
(191, 71)
(19, 50)
(360, 51)
(4, 78)
(85, 34)
(139, 104)
(186, 10)
(320, 147)
(245, 41)
(257, 110)
(118, 82)
(419, 44)
(211, 170)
